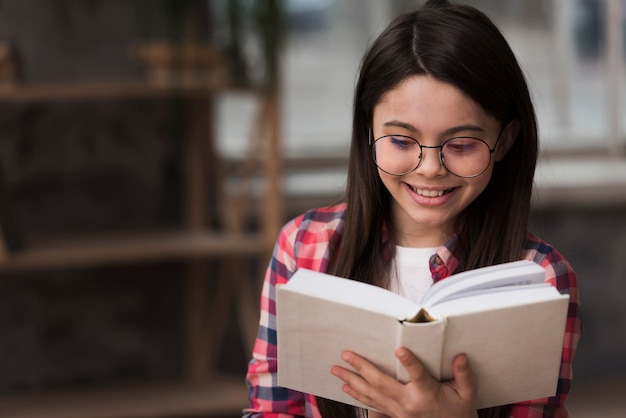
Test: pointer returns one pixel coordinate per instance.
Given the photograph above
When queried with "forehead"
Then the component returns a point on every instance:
(429, 105)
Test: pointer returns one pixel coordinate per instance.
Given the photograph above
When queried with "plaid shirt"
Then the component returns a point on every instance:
(304, 243)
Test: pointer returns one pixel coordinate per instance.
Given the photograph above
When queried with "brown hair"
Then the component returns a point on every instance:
(459, 45)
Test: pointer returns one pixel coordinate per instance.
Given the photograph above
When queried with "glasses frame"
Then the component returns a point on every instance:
(441, 159)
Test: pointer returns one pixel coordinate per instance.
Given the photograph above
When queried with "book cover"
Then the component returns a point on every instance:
(505, 318)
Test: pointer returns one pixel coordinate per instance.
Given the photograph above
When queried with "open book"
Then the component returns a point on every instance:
(508, 321)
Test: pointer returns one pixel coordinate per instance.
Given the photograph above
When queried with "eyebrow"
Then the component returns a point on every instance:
(450, 131)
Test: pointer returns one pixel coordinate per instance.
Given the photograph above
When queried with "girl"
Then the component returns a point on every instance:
(443, 154)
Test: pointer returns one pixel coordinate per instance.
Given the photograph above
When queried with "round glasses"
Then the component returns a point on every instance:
(462, 156)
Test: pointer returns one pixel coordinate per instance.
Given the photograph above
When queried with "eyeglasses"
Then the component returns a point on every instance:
(462, 156)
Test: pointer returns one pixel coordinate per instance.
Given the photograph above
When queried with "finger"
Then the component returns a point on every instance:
(359, 396)
(367, 384)
(464, 378)
(348, 377)
(414, 368)
(354, 385)
(368, 371)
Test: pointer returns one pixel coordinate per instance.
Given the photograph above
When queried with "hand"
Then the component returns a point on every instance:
(422, 396)
(374, 414)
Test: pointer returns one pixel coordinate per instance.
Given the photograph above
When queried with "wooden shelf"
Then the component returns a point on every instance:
(206, 311)
(115, 89)
(223, 396)
(115, 250)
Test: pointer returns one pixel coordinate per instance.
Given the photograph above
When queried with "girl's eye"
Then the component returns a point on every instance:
(403, 143)
(463, 146)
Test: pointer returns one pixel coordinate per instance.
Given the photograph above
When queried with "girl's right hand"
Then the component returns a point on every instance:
(423, 396)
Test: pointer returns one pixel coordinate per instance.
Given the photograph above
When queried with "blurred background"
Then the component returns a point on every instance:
(151, 149)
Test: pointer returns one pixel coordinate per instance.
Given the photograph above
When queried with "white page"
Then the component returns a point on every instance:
(484, 300)
(351, 293)
(518, 273)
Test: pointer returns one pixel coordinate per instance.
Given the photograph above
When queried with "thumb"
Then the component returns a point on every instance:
(464, 378)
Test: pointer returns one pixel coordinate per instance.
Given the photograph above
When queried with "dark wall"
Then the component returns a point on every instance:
(95, 328)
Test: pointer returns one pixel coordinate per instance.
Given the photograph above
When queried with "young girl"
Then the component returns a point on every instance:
(443, 154)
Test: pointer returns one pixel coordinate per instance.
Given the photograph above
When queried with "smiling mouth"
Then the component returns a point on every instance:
(430, 193)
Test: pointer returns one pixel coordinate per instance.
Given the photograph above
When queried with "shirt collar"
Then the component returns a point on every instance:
(443, 263)
(445, 260)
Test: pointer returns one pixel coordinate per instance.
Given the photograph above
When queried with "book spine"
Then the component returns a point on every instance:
(425, 340)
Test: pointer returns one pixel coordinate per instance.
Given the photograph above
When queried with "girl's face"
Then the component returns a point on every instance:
(427, 201)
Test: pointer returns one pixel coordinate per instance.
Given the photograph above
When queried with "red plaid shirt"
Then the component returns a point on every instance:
(305, 242)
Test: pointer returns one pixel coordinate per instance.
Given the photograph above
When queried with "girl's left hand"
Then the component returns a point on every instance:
(422, 396)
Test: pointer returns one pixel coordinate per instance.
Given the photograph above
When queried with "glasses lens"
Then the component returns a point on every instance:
(463, 157)
(466, 157)
(396, 154)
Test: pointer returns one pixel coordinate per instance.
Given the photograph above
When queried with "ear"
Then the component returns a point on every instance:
(507, 139)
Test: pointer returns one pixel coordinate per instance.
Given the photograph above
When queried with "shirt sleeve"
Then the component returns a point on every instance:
(266, 398)
(561, 275)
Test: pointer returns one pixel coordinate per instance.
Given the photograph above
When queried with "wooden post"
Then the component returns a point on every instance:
(4, 254)
(273, 204)
(199, 347)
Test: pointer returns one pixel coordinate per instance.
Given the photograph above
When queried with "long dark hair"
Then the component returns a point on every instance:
(459, 45)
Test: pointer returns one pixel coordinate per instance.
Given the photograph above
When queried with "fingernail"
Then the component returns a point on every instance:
(402, 354)
(463, 363)
(346, 356)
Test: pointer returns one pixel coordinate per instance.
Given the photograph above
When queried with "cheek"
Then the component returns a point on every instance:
(480, 183)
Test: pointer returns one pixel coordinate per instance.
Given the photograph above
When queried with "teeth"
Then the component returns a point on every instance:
(429, 193)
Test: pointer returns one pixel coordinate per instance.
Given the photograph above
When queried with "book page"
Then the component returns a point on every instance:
(517, 273)
(495, 298)
(351, 293)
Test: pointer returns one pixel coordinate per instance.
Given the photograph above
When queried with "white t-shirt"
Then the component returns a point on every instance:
(410, 272)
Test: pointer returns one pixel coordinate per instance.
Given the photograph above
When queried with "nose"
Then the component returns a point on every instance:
(430, 162)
